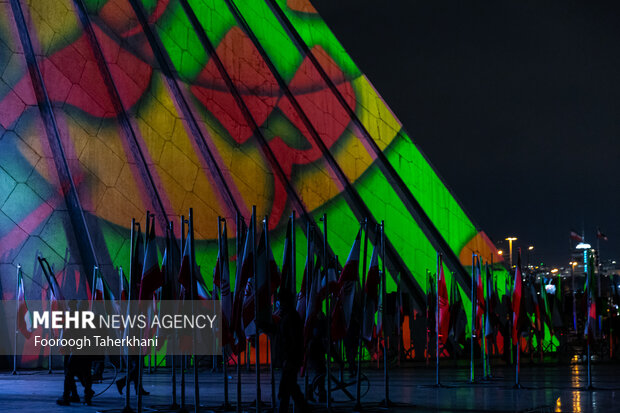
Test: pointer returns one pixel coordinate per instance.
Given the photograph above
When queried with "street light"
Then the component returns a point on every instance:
(510, 239)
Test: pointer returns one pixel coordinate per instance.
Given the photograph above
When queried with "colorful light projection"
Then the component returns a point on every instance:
(164, 105)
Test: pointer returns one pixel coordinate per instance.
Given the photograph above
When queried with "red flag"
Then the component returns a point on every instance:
(347, 285)
(591, 320)
(98, 293)
(371, 289)
(24, 318)
(600, 235)
(124, 290)
(575, 236)
(517, 293)
(152, 277)
(444, 306)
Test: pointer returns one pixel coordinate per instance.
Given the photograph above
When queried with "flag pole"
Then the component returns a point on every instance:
(428, 340)
(310, 259)
(213, 295)
(473, 317)
(192, 267)
(268, 281)
(437, 315)
(19, 269)
(386, 378)
(588, 321)
(293, 255)
(220, 223)
(237, 274)
(329, 326)
(169, 278)
(517, 383)
(483, 328)
(127, 408)
(140, 357)
(358, 396)
(183, 409)
(256, 332)
(49, 361)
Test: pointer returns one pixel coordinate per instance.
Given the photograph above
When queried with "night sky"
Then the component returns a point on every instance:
(516, 104)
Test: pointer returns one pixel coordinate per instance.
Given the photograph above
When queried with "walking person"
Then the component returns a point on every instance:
(289, 348)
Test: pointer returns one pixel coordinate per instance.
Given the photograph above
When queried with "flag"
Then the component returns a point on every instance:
(575, 236)
(56, 295)
(243, 274)
(546, 308)
(458, 321)
(591, 320)
(444, 305)
(137, 262)
(124, 289)
(170, 265)
(347, 286)
(222, 281)
(329, 281)
(185, 278)
(480, 303)
(491, 304)
(517, 293)
(152, 277)
(288, 283)
(301, 297)
(536, 311)
(98, 288)
(314, 303)
(371, 290)
(600, 235)
(24, 318)
(265, 288)
(102, 290)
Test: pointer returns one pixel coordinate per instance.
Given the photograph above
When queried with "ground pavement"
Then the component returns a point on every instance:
(546, 388)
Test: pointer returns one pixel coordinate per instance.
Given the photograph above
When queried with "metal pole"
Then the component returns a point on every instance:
(483, 328)
(329, 324)
(437, 315)
(183, 409)
(49, 361)
(169, 246)
(517, 384)
(237, 274)
(572, 271)
(293, 255)
(19, 268)
(127, 408)
(140, 357)
(386, 376)
(192, 267)
(358, 395)
(473, 314)
(268, 281)
(257, 334)
(310, 259)
(222, 222)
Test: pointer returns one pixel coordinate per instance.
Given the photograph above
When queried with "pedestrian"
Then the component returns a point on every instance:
(289, 348)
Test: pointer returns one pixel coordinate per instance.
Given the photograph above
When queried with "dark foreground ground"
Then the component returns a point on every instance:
(545, 389)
